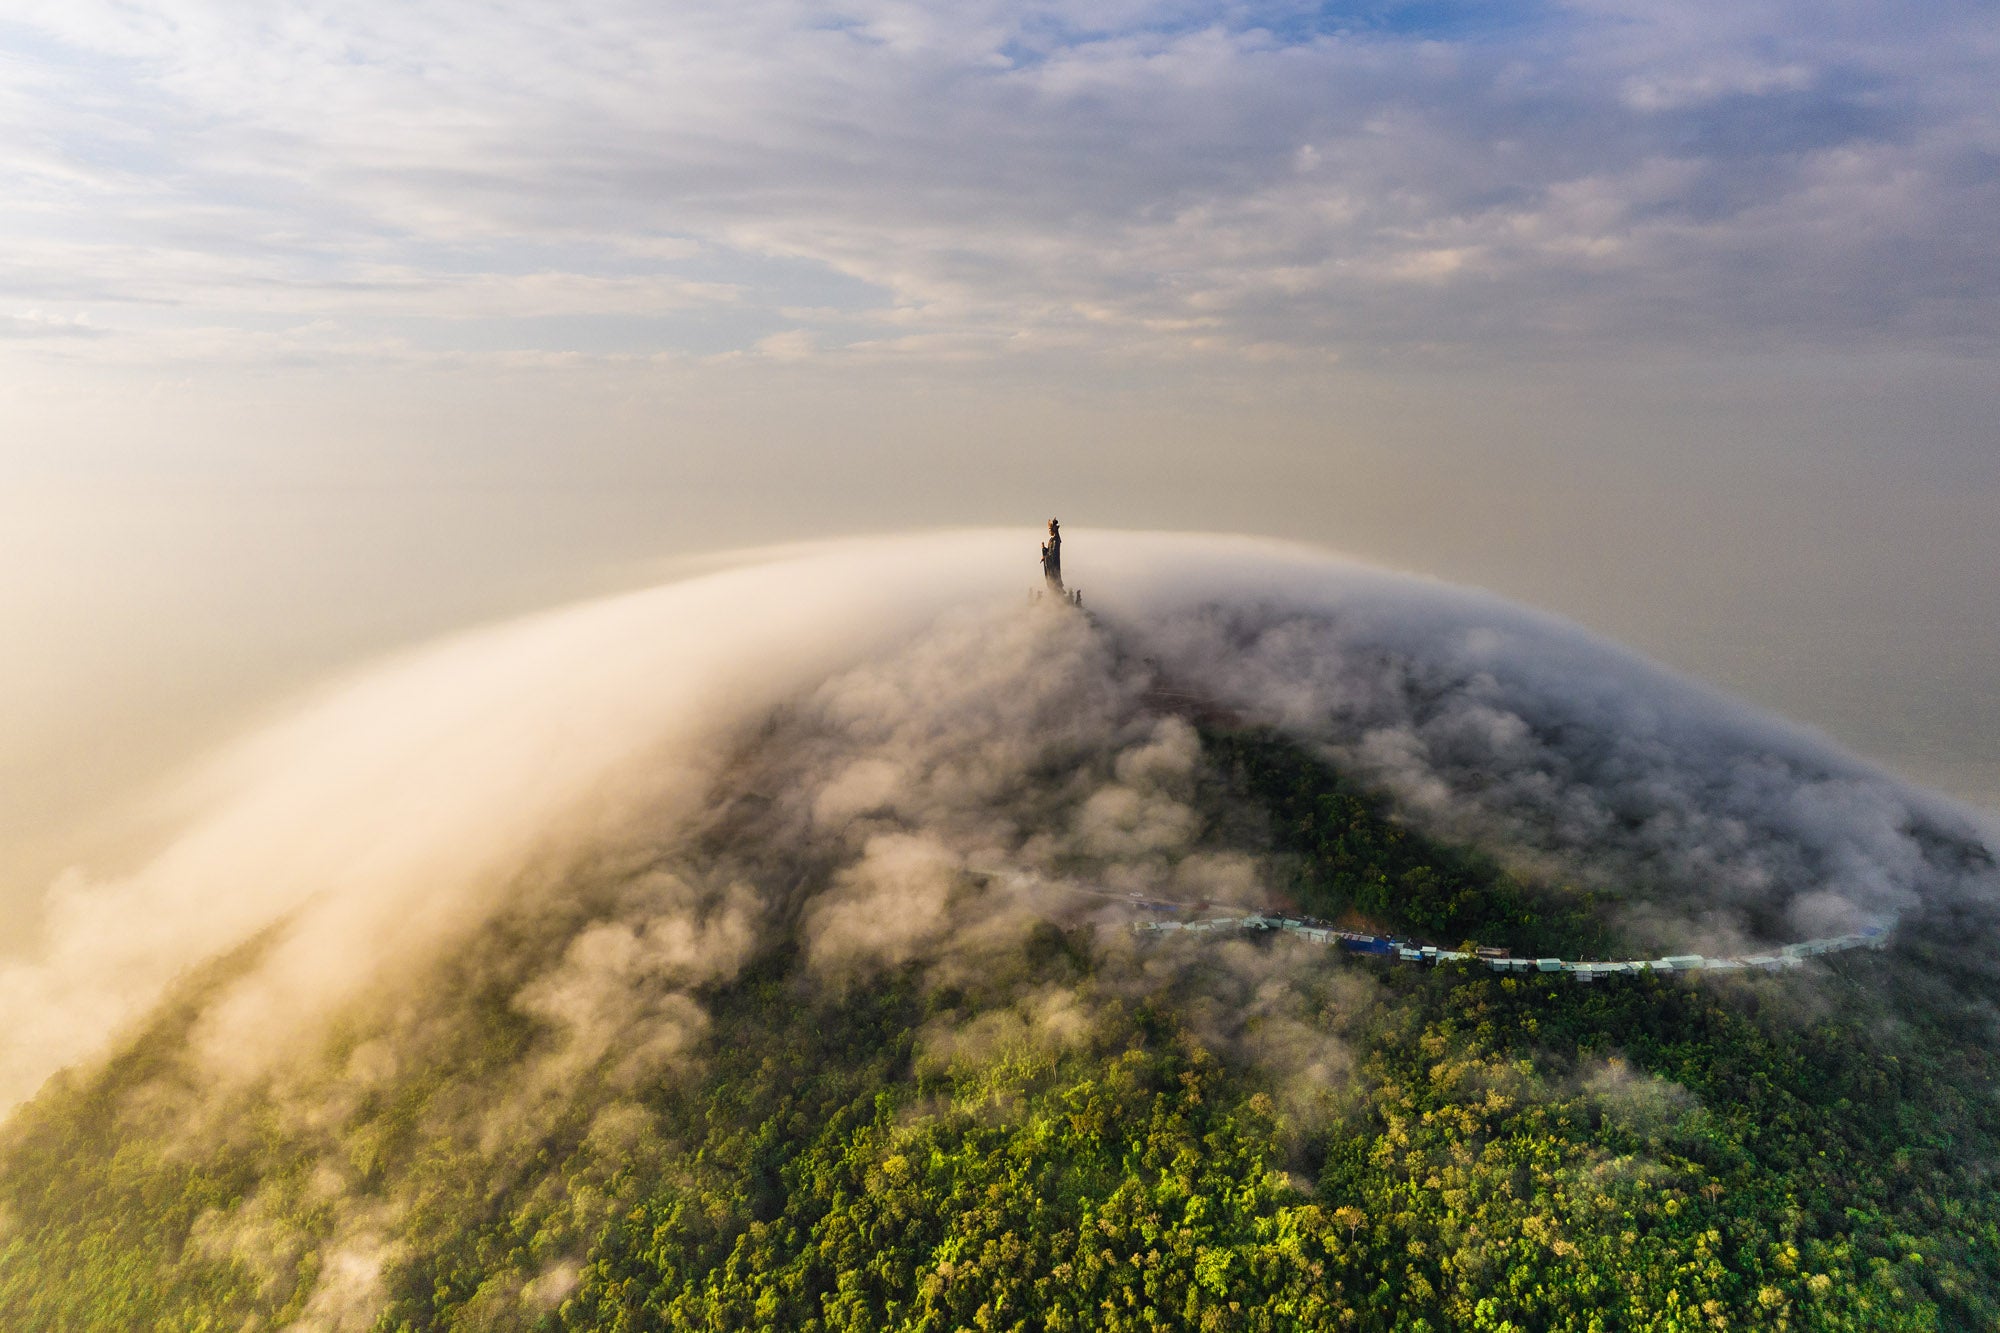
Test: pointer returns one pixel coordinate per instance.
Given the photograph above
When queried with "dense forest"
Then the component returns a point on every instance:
(1083, 1131)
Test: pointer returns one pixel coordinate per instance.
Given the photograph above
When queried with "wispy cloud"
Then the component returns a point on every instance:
(33, 324)
(1140, 177)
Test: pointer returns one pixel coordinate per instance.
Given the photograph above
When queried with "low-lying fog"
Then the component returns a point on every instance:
(388, 813)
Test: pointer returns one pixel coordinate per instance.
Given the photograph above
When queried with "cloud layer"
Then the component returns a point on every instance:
(896, 179)
(854, 737)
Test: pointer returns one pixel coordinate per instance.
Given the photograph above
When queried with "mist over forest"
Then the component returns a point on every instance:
(760, 950)
(490, 841)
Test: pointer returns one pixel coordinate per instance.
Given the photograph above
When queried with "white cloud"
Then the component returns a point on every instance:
(1675, 172)
(930, 725)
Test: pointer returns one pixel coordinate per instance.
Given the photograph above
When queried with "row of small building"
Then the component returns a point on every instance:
(1790, 955)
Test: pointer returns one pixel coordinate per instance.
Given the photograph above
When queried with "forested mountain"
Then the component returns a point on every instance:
(715, 1087)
